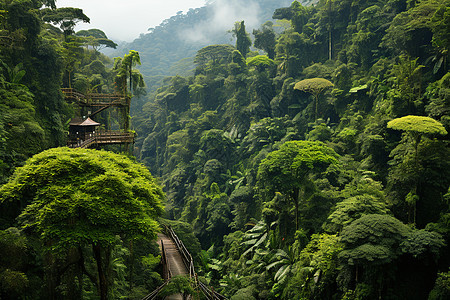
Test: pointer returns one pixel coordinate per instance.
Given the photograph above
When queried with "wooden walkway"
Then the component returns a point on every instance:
(175, 263)
(177, 260)
(95, 99)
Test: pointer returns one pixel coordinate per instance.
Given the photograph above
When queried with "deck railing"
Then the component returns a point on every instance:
(96, 99)
(103, 137)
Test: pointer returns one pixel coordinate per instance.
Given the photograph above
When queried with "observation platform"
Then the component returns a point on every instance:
(102, 138)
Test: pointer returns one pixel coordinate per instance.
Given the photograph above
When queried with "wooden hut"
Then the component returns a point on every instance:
(81, 130)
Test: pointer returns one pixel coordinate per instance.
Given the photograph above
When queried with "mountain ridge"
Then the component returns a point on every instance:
(168, 49)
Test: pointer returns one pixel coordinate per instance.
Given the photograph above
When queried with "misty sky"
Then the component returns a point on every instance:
(124, 20)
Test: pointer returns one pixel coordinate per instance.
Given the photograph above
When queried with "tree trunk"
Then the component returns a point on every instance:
(330, 52)
(130, 77)
(295, 198)
(50, 276)
(131, 265)
(317, 101)
(103, 285)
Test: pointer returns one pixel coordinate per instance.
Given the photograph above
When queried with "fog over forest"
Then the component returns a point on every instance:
(238, 150)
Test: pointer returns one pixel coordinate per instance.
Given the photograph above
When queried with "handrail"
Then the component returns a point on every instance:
(209, 293)
(186, 256)
(104, 137)
(189, 263)
(155, 292)
(165, 263)
(96, 99)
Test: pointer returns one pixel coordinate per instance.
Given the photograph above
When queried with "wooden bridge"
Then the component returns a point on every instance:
(177, 260)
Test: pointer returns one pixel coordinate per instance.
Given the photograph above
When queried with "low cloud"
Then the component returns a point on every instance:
(224, 14)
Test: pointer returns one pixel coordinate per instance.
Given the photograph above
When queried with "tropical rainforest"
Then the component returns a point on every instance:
(307, 159)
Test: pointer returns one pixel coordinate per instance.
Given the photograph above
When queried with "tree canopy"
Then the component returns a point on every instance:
(97, 39)
(417, 125)
(286, 170)
(314, 86)
(243, 41)
(73, 198)
(316, 167)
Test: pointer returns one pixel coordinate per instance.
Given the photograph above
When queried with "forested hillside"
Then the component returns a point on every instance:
(74, 223)
(319, 170)
(308, 158)
(168, 49)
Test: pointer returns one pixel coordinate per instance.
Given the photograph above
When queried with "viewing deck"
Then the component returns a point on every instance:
(95, 99)
(103, 138)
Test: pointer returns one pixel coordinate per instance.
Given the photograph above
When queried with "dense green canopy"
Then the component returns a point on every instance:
(417, 124)
(76, 196)
(314, 86)
(362, 214)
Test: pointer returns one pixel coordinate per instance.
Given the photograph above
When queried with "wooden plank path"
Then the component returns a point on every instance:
(173, 256)
(175, 263)
(177, 260)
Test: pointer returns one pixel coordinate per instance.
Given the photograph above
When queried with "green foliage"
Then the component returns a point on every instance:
(178, 285)
(316, 268)
(243, 41)
(352, 209)
(21, 133)
(417, 125)
(13, 283)
(314, 86)
(410, 162)
(227, 143)
(209, 57)
(76, 198)
(438, 106)
(441, 289)
(285, 173)
(375, 229)
(125, 73)
(66, 17)
(97, 39)
(261, 62)
(286, 167)
(72, 197)
(421, 243)
(230, 137)
(411, 29)
(265, 39)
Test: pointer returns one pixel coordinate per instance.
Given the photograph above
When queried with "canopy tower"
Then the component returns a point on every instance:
(85, 132)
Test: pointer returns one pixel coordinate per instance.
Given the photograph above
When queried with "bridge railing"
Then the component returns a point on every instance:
(208, 292)
(154, 294)
(166, 265)
(189, 263)
(185, 255)
(167, 273)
